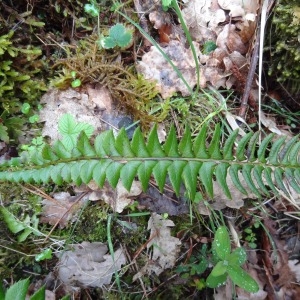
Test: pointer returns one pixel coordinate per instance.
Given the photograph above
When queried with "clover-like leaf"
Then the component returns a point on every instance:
(118, 36)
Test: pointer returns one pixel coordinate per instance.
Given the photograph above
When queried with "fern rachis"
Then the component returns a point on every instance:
(188, 161)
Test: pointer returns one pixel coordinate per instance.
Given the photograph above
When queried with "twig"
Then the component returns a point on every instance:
(254, 60)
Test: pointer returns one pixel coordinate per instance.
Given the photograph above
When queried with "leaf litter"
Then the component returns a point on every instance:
(164, 247)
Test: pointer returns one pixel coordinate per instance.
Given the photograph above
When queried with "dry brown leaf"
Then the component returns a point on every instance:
(220, 200)
(58, 103)
(62, 209)
(154, 67)
(202, 18)
(101, 97)
(165, 247)
(117, 198)
(88, 265)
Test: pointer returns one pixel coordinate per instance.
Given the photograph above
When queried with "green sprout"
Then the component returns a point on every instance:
(229, 264)
(118, 36)
(76, 82)
(92, 9)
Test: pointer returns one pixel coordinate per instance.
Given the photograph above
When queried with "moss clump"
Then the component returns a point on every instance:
(99, 66)
(18, 83)
(285, 45)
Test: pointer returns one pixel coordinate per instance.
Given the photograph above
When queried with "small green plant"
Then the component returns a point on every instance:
(196, 266)
(18, 291)
(228, 263)
(29, 225)
(36, 143)
(118, 36)
(92, 8)
(76, 81)
(251, 236)
(27, 110)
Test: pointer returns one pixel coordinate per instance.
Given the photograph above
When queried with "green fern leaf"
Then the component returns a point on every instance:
(175, 171)
(48, 154)
(221, 174)
(261, 152)
(185, 146)
(206, 175)
(113, 173)
(214, 147)
(200, 149)
(190, 176)
(138, 144)
(278, 174)
(86, 171)
(84, 146)
(128, 172)
(271, 166)
(153, 145)
(99, 172)
(285, 152)
(234, 174)
(108, 143)
(123, 145)
(294, 156)
(228, 146)
(246, 170)
(252, 146)
(66, 172)
(171, 144)
(144, 172)
(60, 150)
(240, 150)
(268, 176)
(273, 156)
(160, 173)
(258, 175)
(290, 176)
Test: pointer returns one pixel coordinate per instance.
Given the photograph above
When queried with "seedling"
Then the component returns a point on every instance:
(92, 9)
(118, 36)
(228, 263)
(76, 82)
(251, 236)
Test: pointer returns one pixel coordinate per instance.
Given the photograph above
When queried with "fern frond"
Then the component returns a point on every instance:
(270, 167)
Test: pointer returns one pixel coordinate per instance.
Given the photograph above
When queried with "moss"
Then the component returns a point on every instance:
(19, 69)
(99, 66)
(285, 50)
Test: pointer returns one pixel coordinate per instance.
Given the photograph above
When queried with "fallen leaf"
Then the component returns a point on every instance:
(88, 265)
(165, 247)
(57, 103)
(117, 198)
(62, 209)
(155, 67)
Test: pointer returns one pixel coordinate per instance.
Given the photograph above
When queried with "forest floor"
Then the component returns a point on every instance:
(210, 75)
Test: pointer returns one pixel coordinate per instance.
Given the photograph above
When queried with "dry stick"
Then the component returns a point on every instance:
(246, 94)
